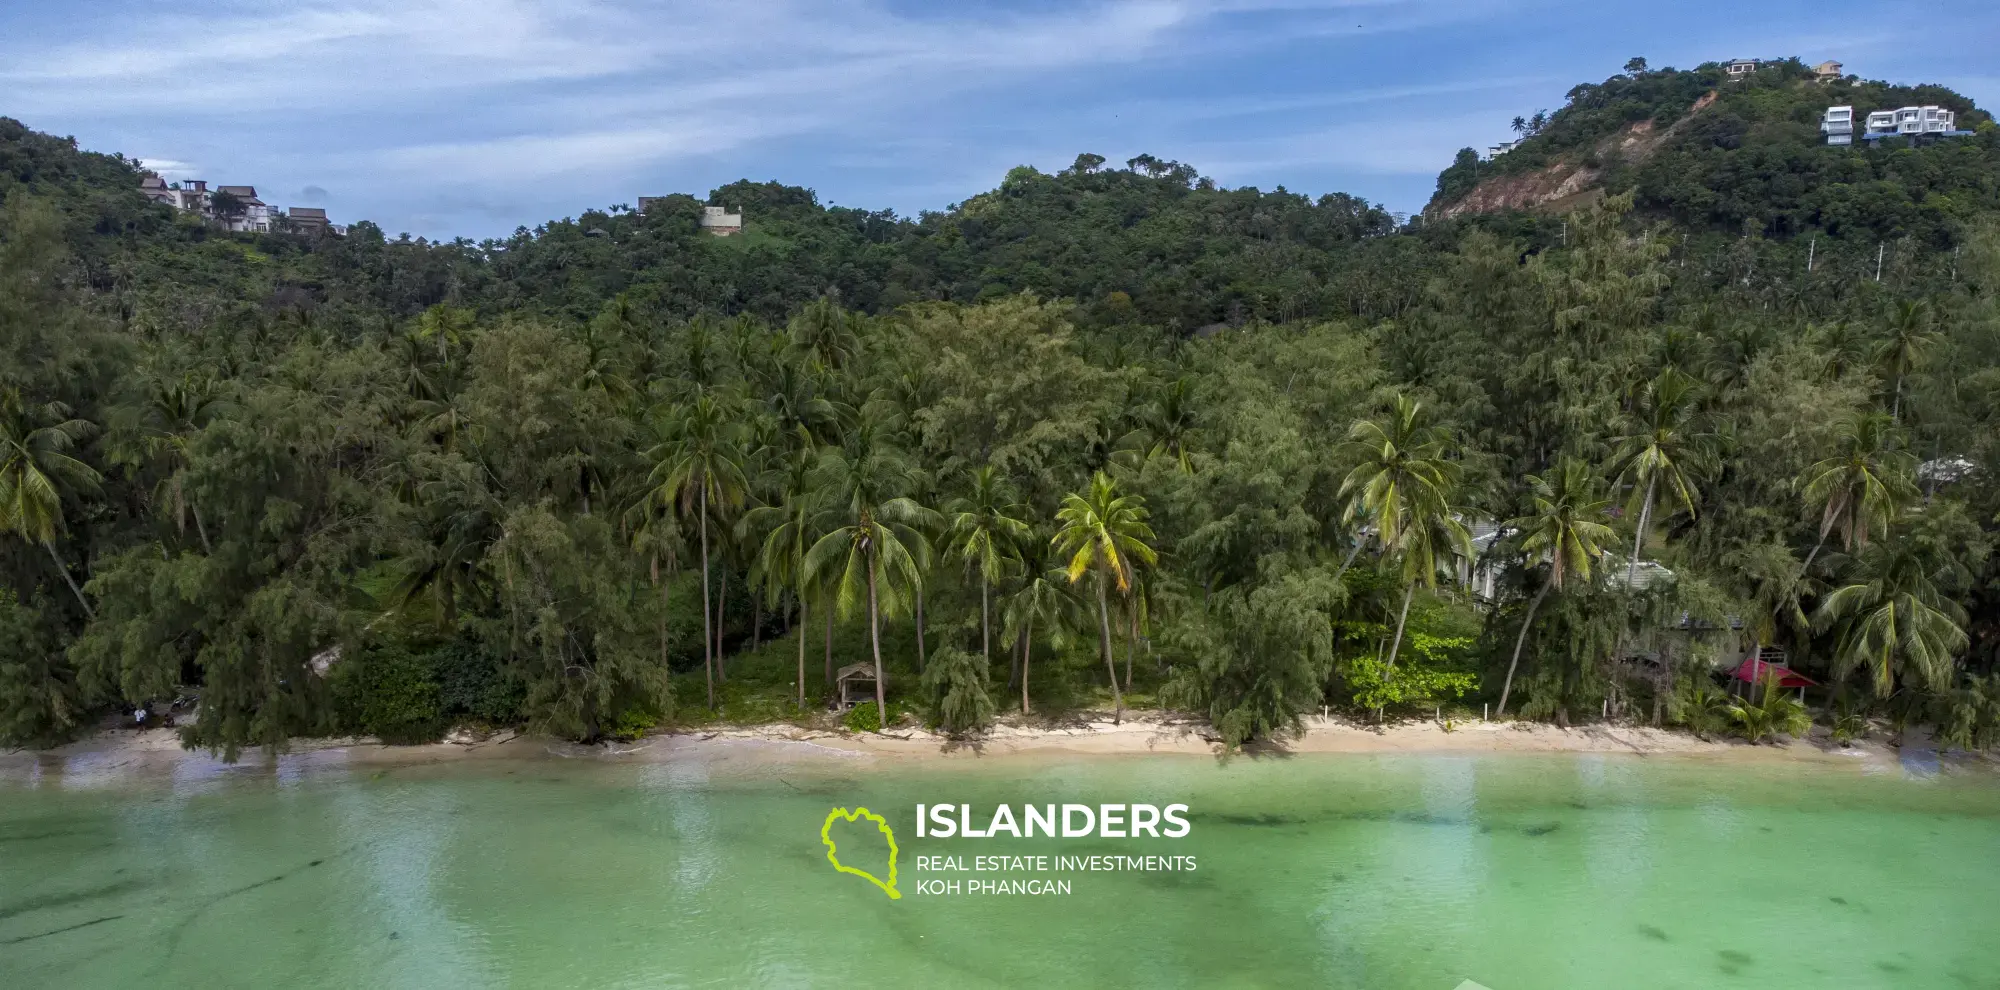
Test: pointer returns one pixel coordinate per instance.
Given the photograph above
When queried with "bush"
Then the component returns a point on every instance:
(631, 724)
(1780, 714)
(956, 683)
(475, 683)
(389, 693)
(863, 717)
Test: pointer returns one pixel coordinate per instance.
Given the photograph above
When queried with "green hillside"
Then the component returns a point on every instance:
(1746, 156)
(380, 484)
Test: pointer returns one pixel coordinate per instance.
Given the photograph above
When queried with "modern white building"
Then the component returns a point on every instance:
(1502, 148)
(1837, 123)
(1739, 68)
(719, 221)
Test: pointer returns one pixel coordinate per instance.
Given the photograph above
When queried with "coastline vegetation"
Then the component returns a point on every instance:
(1097, 440)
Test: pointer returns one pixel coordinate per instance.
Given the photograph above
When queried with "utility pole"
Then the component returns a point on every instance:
(1879, 248)
(1811, 249)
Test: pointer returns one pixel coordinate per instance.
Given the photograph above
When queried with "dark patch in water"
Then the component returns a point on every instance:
(59, 931)
(1261, 821)
(1891, 967)
(38, 836)
(67, 898)
(1654, 933)
(1579, 805)
(1537, 831)
(1735, 958)
(1842, 901)
(316, 862)
(1763, 828)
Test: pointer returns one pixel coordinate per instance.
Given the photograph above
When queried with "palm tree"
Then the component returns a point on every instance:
(1169, 425)
(1662, 449)
(173, 411)
(790, 527)
(1397, 464)
(1905, 348)
(1892, 619)
(1105, 533)
(985, 530)
(700, 465)
(1565, 530)
(36, 472)
(872, 561)
(1044, 599)
(1863, 487)
(1520, 125)
(824, 333)
(447, 326)
(1403, 480)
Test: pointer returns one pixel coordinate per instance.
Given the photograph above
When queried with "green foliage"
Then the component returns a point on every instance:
(390, 693)
(563, 470)
(1431, 673)
(956, 684)
(1702, 706)
(1777, 714)
(865, 717)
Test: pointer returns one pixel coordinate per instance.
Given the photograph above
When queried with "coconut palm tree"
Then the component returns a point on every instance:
(1044, 600)
(1397, 464)
(871, 562)
(1565, 529)
(37, 472)
(1906, 347)
(790, 528)
(1860, 489)
(1892, 620)
(1403, 481)
(986, 530)
(1105, 533)
(1663, 450)
(825, 334)
(699, 468)
(157, 434)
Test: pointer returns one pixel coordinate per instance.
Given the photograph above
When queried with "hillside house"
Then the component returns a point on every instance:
(1837, 123)
(1741, 68)
(719, 221)
(1827, 71)
(251, 214)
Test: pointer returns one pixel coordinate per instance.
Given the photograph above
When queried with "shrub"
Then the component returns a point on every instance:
(1780, 714)
(956, 683)
(475, 683)
(863, 717)
(389, 693)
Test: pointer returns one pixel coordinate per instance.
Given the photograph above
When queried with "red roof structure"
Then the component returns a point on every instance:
(1755, 671)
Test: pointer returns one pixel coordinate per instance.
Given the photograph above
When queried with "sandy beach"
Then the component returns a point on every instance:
(134, 753)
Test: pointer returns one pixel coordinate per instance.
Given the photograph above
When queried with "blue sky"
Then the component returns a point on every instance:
(472, 117)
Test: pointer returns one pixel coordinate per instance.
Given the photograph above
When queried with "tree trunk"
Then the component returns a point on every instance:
(875, 643)
(63, 569)
(1402, 617)
(920, 627)
(1027, 654)
(985, 619)
(1131, 643)
(1665, 682)
(802, 652)
(721, 602)
(1351, 554)
(1896, 406)
(829, 648)
(707, 638)
(1104, 641)
(1639, 537)
(1817, 547)
(1520, 641)
(756, 622)
(201, 531)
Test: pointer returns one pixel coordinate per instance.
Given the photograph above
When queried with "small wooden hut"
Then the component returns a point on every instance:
(855, 683)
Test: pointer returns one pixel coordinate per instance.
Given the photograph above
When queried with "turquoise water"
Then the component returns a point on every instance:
(1520, 872)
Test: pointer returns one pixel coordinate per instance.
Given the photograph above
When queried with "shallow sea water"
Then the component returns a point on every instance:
(1522, 872)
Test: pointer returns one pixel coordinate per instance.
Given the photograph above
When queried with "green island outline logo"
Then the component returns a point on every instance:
(833, 853)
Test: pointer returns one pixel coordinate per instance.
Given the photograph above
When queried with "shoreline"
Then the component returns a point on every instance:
(121, 755)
